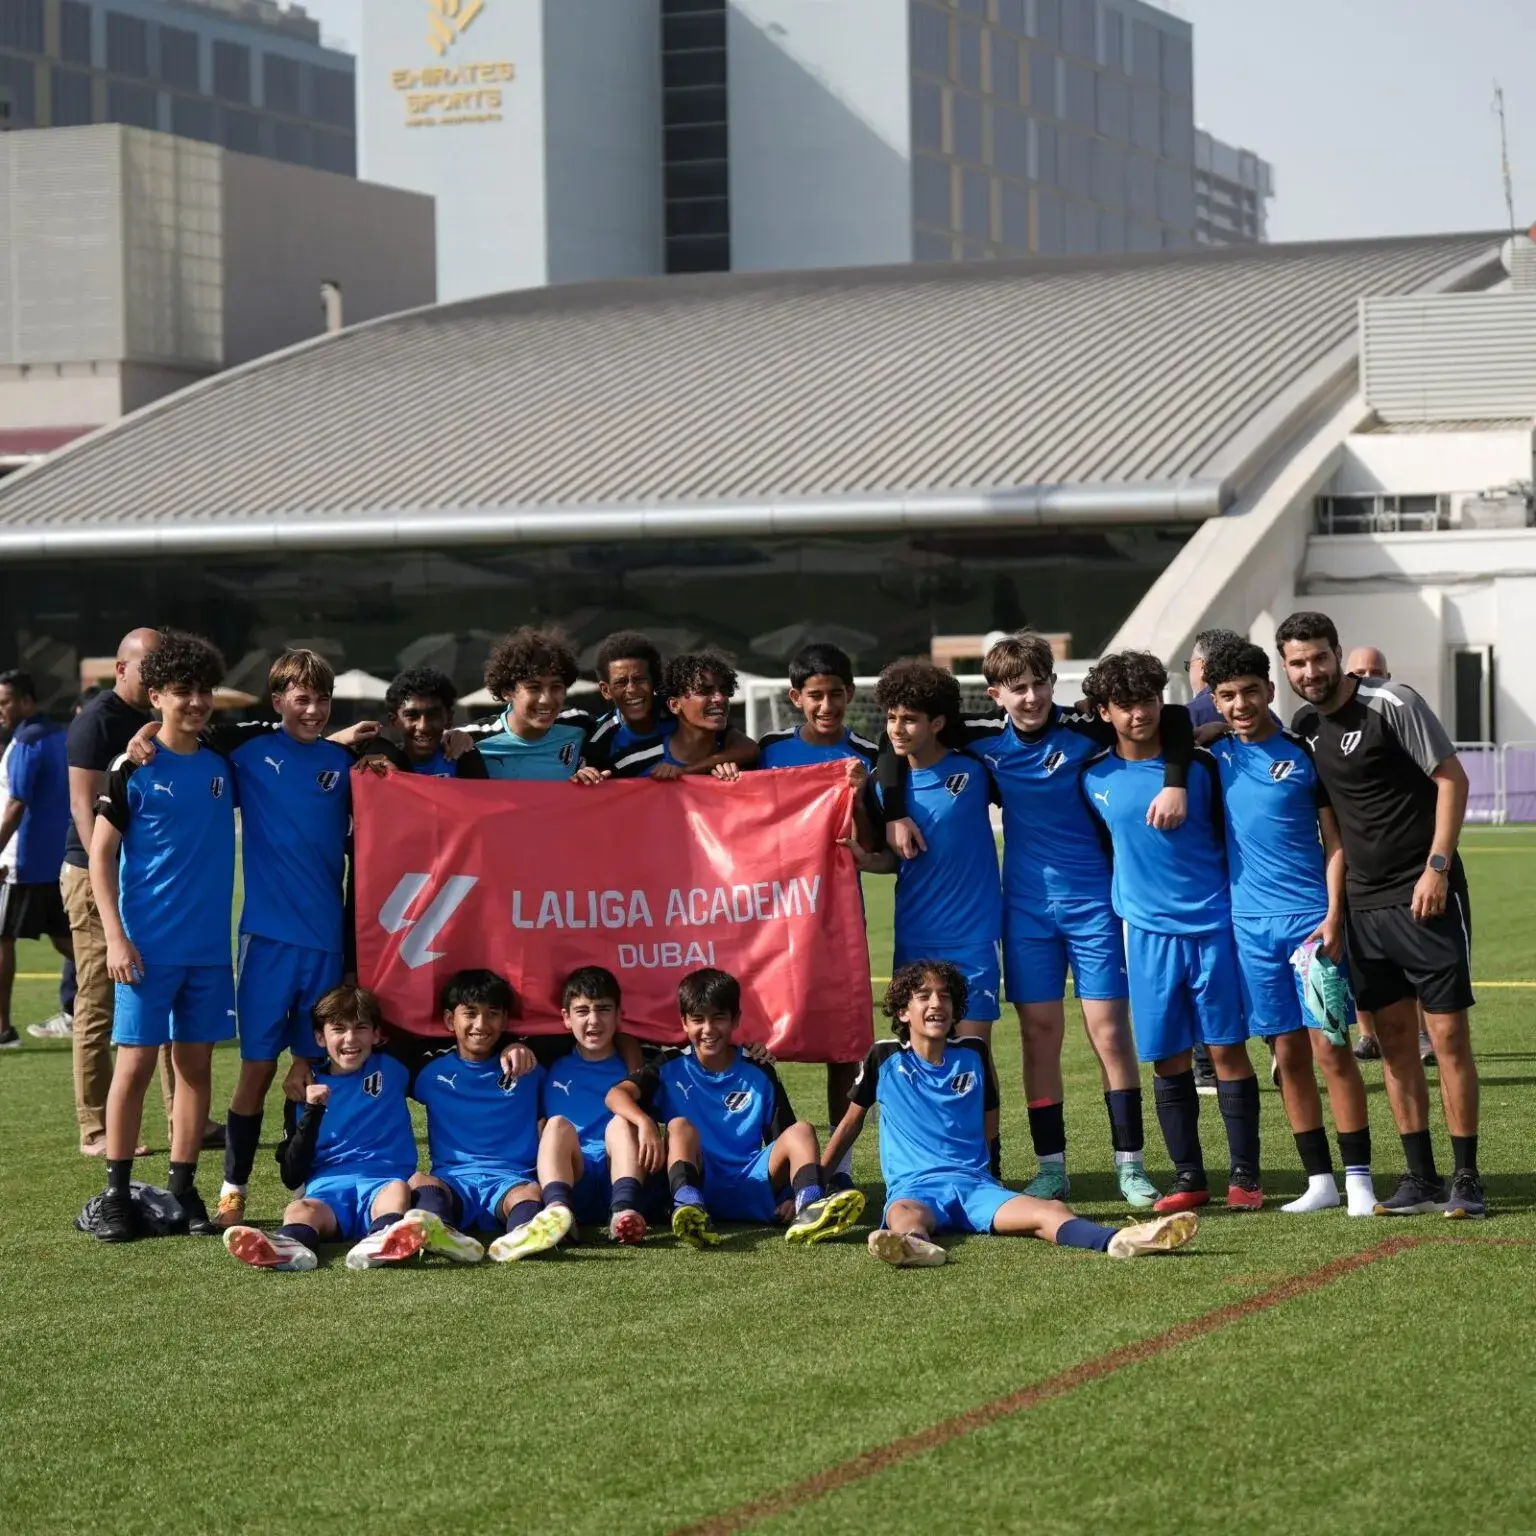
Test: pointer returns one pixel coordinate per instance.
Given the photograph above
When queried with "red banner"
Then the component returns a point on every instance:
(650, 880)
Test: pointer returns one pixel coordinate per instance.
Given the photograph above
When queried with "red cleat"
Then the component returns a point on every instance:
(627, 1227)
(1245, 1197)
(1183, 1197)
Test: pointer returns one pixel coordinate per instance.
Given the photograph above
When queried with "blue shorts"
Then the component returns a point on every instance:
(742, 1194)
(278, 984)
(590, 1199)
(960, 1202)
(481, 1191)
(1271, 990)
(182, 1003)
(350, 1197)
(1184, 989)
(1037, 947)
(978, 963)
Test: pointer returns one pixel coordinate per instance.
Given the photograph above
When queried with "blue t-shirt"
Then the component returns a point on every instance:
(479, 1117)
(1275, 853)
(37, 768)
(613, 739)
(367, 1123)
(949, 896)
(736, 1112)
(1164, 882)
(295, 814)
(556, 755)
(576, 1088)
(933, 1119)
(789, 749)
(176, 875)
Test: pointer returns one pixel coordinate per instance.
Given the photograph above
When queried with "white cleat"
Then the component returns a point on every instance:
(1360, 1193)
(393, 1244)
(906, 1250)
(268, 1251)
(1152, 1237)
(59, 1027)
(1321, 1194)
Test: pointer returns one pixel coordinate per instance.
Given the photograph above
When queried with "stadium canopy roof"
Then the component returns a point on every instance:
(1111, 389)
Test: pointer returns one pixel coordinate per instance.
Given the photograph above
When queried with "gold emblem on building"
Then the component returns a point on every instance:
(449, 21)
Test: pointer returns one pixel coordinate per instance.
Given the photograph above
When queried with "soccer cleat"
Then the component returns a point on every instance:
(9, 1039)
(1189, 1191)
(1051, 1183)
(1150, 1237)
(1466, 1202)
(1205, 1083)
(547, 1230)
(830, 1216)
(692, 1224)
(261, 1251)
(1427, 1050)
(627, 1227)
(1244, 1193)
(906, 1250)
(1135, 1187)
(1414, 1197)
(445, 1240)
(231, 1211)
(118, 1221)
(393, 1244)
(199, 1222)
(1367, 1048)
(59, 1027)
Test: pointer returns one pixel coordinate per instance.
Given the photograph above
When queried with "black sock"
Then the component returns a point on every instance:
(439, 1201)
(1126, 1132)
(1316, 1159)
(626, 1195)
(681, 1175)
(1239, 1104)
(995, 1156)
(1464, 1153)
(522, 1213)
(1420, 1153)
(1048, 1129)
(183, 1177)
(300, 1233)
(1178, 1113)
(119, 1174)
(557, 1192)
(242, 1136)
(1355, 1150)
(808, 1184)
(379, 1223)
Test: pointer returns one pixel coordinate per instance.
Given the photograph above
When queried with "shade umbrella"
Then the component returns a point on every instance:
(783, 643)
(357, 684)
(232, 698)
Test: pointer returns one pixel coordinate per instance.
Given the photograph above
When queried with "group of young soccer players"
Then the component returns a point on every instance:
(1174, 883)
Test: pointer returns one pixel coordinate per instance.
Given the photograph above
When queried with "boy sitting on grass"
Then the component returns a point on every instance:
(353, 1151)
(938, 1112)
(734, 1148)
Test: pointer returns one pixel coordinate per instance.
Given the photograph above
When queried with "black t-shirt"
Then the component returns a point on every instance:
(97, 735)
(1375, 757)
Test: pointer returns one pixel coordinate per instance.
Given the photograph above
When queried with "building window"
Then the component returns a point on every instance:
(21, 25)
(1112, 38)
(1011, 14)
(930, 191)
(968, 55)
(1049, 219)
(1048, 22)
(1042, 82)
(74, 32)
(1176, 195)
(335, 98)
(1010, 142)
(1111, 231)
(242, 132)
(71, 98)
(930, 247)
(280, 84)
(966, 114)
(1146, 53)
(696, 136)
(1178, 130)
(930, 41)
(179, 59)
(18, 80)
(232, 72)
(192, 118)
(1005, 68)
(1043, 167)
(1141, 184)
(1178, 66)
(127, 45)
(1079, 107)
(1146, 121)
(976, 204)
(1108, 175)
(1079, 31)
(1074, 163)
(1082, 229)
(336, 152)
(927, 115)
(1015, 216)
(1114, 108)
(135, 105)
(291, 143)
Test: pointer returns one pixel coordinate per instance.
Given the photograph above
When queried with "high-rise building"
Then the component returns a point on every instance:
(248, 75)
(572, 139)
(1232, 187)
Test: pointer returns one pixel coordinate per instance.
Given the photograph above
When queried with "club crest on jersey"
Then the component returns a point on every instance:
(328, 779)
(507, 1082)
(956, 783)
(1054, 761)
(568, 754)
(1281, 771)
(1348, 742)
(373, 1084)
(963, 1082)
(738, 1101)
(216, 787)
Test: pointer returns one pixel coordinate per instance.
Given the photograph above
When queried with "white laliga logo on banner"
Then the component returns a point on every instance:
(416, 947)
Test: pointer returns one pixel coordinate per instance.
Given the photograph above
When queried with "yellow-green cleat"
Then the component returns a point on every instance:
(830, 1216)
(691, 1223)
(546, 1231)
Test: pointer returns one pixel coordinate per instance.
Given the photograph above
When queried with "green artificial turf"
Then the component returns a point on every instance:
(161, 1386)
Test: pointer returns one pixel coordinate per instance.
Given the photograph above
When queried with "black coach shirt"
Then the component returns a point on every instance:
(97, 735)
(1375, 757)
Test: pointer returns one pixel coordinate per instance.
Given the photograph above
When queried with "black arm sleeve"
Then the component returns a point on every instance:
(470, 766)
(1206, 763)
(1178, 746)
(296, 1151)
(224, 738)
(781, 1113)
(876, 814)
(991, 1098)
(112, 803)
(891, 773)
(866, 1085)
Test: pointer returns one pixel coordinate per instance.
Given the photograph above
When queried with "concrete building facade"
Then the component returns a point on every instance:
(1233, 188)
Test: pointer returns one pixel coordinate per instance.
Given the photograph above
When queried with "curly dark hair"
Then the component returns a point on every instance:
(628, 645)
(913, 683)
(905, 983)
(1126, 678)
(421, 683)
(1232, 657)
(692, 671)
(526, 655)
(181, 661)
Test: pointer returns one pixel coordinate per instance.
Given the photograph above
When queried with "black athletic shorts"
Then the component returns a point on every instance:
(1393, 956)
(32, 911)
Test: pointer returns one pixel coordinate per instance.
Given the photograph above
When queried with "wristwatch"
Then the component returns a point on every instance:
(1438, 863)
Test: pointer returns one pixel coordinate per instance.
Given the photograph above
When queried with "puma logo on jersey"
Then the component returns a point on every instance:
(963, 1082)
(449, 1080)
(1281, 771)
(737, 1100)
(686, 1089)
(956, 783)
(1312, 742)
(328, 779)
(1348, 742)
(564, 1088)
(906, 1069)
(1102, 796)
(165, 789)
(273, 764)
(216, 788)
(992, 760)
(373, 1084)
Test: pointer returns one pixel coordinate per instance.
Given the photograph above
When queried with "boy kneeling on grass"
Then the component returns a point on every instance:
(938, 1114)
(734, 1148)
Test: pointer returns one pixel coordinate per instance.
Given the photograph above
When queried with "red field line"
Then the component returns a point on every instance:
(819, 1484)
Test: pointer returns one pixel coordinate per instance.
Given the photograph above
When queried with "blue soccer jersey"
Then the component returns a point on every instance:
(576, 1088)
(38, 770)
(555, 756)
(736, 1112)
(366, 1125)
(295, 814)
(176, 879)
(949, 897)
(933, 1118)
(1164, 882)
(790, 749)
(1272, 794)
(479, 1117)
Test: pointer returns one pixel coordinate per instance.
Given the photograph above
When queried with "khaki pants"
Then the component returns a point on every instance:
(93, 1010)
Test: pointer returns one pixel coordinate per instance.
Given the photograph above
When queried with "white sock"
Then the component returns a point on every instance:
(226, 1188)
(1361, 1192)
(1059, 1158)
(1322, 1194)
(1122, 1158)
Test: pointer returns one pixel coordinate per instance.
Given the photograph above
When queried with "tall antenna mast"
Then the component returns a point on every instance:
(1509, 191)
